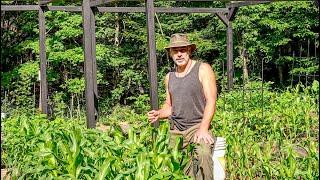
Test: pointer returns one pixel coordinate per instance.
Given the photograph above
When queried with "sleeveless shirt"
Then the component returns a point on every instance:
(187, 98)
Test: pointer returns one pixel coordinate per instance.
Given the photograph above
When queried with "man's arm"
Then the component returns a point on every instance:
(208, 81)
(166, 108)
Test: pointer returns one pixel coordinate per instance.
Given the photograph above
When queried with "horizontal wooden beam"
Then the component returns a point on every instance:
(190, 10)
(234, 4)
(164, 10)
(121, 9)
(36, 8)
(231, 4)
(19, 7)
(65, 8)
(115, 9)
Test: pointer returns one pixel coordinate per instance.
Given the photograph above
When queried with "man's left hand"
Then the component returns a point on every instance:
(203, 134)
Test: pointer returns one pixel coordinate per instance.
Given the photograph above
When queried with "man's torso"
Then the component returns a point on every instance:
(187, 97)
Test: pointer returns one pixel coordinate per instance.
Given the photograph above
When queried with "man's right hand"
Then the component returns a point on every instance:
(153, 116)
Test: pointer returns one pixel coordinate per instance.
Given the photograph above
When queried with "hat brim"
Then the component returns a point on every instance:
(173, 45)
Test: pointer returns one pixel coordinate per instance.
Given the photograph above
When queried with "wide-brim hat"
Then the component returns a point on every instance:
(180, 40)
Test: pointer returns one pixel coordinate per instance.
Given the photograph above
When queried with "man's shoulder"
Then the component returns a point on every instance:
(205, 71)
(168, 74)
(204, 67)
(202, 63)
(166, 78)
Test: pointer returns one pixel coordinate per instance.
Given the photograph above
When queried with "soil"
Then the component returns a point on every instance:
(123, 125)
(103, 128)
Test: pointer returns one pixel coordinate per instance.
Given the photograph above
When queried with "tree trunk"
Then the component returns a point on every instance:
(245, 61)
(79, 112)
(117, 30)
(71, 105)
(245, 69)
(40, 98)
(280, 73)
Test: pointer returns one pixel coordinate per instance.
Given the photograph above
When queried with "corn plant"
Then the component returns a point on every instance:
(278, 144)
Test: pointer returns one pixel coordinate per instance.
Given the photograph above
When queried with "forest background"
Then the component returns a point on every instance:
(281, 34)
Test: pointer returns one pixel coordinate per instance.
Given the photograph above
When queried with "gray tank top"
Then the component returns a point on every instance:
(187, 98)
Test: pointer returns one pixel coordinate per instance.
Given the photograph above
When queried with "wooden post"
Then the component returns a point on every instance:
(230, 55)
(94, 62)
(227, 20)
(231, 15)
(152, 57)
(43, 63)
(87, 38)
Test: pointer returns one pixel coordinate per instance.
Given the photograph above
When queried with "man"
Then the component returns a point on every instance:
(191, 94)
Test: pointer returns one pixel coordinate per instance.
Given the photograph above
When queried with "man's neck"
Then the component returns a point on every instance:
(184, 69)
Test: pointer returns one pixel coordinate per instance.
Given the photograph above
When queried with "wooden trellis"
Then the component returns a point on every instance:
(89, 8)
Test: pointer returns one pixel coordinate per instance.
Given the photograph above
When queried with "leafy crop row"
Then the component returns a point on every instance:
(38, 149)
(273, 136)
(270, 137)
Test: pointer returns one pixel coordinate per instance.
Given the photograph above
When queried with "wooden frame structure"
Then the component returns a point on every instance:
(89, 8)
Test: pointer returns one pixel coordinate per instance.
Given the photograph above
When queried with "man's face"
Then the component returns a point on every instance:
(180, 55)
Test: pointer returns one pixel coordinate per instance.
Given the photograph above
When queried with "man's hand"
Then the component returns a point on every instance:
(153, 116)
(203, 134)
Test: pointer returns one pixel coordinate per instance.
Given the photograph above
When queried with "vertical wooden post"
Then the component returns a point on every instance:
(230, 70)
(152, 57)
(87, 38)
(94, 63)
(43, 63)
(227, 20)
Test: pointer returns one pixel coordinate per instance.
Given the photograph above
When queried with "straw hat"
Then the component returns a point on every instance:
(180, 40)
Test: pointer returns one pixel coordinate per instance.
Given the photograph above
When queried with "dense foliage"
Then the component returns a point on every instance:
(281, 143)
(268, 32)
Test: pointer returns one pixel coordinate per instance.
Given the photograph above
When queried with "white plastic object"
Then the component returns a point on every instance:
(219, 149)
